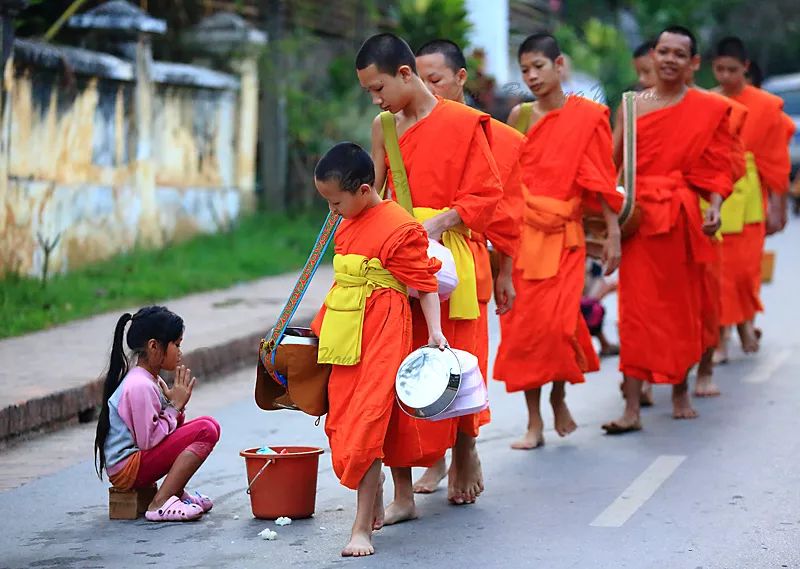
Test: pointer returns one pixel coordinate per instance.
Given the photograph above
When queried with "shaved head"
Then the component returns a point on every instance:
(387, 53)
(453, 56)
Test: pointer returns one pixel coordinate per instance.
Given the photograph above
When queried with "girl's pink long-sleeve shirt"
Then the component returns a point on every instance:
(140, 417)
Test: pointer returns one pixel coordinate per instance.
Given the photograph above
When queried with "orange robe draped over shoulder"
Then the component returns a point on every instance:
(362, 421)
(765, 136)
(718, 279)
(449, 164)
(682, 151)
(566, 162)
(504, 234)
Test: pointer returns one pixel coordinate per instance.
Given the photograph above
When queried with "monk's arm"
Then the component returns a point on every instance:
(504, 292)
(378, 153)
(712, 219)
(513, 116)
(431, 309)
(438, 224)
(479, 189)
(612, 252)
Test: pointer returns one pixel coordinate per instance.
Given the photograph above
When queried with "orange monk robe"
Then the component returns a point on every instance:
(710, 301)
(504, 234)
(682, 151)
(739, 299)
(713, 276)
(449, 164)
(765, 135)
(362, 415)
(566, 164)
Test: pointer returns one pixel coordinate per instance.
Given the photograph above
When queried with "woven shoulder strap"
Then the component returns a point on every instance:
(524, 119)
(628, 154)
(399, 178)
(270, 342)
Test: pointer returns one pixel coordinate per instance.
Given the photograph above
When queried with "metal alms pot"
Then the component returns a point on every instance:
(428, 381)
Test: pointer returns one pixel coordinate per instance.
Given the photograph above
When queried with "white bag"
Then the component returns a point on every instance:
(447, 277)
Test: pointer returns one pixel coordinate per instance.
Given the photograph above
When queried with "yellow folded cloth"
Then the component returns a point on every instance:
(342, 327)
(464, 299)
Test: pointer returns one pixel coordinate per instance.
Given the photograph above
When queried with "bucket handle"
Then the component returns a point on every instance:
(253, 481)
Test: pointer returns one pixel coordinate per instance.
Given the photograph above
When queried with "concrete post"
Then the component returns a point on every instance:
(144, 169)
(247, 135)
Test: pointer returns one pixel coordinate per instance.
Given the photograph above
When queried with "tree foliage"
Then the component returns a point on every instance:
(419, 21)
(600, 50)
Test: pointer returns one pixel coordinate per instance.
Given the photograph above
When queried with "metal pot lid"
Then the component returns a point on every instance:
(428, 379)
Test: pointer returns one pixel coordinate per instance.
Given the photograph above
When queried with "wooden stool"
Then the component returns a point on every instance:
(129, 504)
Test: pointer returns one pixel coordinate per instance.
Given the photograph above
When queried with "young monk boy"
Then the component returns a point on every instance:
(442, 66)
(764, 137)
(454, 190)
(365, 328)
(683, 150)
(566, 164)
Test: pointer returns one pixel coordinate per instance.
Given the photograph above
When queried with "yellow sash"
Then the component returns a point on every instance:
(464, 299)
(744, 205)
(343, 325)
(754, 200)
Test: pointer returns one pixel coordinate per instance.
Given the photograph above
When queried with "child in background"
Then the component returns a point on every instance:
(142, 434)
(596, 288)
(364, 330)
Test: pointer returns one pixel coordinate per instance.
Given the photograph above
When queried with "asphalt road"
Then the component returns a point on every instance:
(717, 492)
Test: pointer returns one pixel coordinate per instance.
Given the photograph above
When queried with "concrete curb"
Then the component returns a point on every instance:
(57, 410)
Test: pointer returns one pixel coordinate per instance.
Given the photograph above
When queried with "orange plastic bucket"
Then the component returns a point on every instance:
(282, 484)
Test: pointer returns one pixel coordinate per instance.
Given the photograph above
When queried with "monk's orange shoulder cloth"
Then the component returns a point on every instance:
(765, 135)
(449, 163)
(736, 121)
(504, 229)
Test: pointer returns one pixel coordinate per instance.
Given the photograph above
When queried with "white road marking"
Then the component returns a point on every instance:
(640, 490)
(768, 366)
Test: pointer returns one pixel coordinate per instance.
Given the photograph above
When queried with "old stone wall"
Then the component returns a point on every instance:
(76, 156)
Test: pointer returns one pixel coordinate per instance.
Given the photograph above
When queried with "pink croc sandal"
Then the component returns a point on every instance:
(198, 499)
(174, 510)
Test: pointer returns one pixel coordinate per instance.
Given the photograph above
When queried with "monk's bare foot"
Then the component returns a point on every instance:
(533, 438)
(465, 480)
(378, 511)
(682, 405)
(705, 386)
(646, 397)
(529, 441)
(360, 545)
(748, 337)
(429, 481)
(628, 423)
(398, 512)
(564, 423)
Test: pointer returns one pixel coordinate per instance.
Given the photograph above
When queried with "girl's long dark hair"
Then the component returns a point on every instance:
(149, 323)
